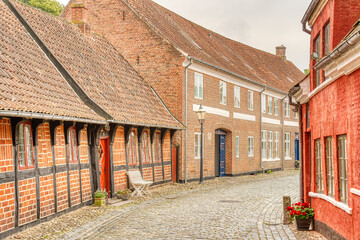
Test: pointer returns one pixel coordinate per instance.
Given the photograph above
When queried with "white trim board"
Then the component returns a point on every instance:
(331, 200)
(270, 120)
(355, 191)
(291, 124)
(211, 110)
(244, 116)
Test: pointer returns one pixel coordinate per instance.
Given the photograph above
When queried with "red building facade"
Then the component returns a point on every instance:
(329, 101)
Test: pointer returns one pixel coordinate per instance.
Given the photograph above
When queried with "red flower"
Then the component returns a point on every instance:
(299, 213)
(304, 213)
(289, 208)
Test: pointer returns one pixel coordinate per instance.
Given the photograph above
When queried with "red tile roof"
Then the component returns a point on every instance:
(104, 75)
(238, 58)
(28, 80)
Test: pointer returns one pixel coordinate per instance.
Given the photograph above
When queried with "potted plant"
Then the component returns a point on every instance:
(303, 213)
(99, 198)
(124, 195)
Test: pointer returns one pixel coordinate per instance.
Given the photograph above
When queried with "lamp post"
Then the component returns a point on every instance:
(201, 117)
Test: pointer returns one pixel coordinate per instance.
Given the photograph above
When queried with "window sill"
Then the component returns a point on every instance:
(251, 155)
(355, 191)
(331, 200)
(270, 159)
(250, 109)
(199, 98)
(288, 158)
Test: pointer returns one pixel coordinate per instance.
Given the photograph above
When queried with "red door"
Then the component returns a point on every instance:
(104, 164)
(174, 163)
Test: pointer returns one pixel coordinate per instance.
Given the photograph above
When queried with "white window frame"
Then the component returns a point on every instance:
(250, 146)
(270, 105)
(263, 144)
(297, 115)
(199, 85)
(197, 145)
(276, 107)
(237, 96)
(237, 146)
(287, 108)
(287, 140)
(271, 141)
(250, 100)
(277, 145)
(263, 103)
(222, 88)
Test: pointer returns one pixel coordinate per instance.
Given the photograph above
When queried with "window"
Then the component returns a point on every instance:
(145, 156)
(250, 146)
(271, 144)
(263, 144)
(157, 147)
(263, 103)
(317, 51)
(296, 114)
(319, 174)
(199, 81)
(251, 100)
(223, 92)
(327, 39)
(72, 145)
(269, 105)
(342, 168)
(26, 156)
(287, 145)
(329, 166)
(197, 145)
(131, 148)
(287, 108)
(276, 107)
(237, 146)
(237, 96)
(307, 115)
(276, 144)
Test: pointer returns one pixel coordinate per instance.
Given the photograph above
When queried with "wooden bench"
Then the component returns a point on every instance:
(141, 186)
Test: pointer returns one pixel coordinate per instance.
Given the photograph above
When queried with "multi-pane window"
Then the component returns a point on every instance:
(145, 155)
(270, 105)
(26, 156)
(250, 146)
(327, 39)
(131, 148)
(287, 145)
(271, 139)
(263, 144)
(223, 92)
(72, 145)
(342, 168)
(317, 51)
(199, 85)
(158, 147)
(237, 96)
(318, 162)
(250, 100)
(276, 144)
(329, 166)
(287, 108)
(276, 106)
(263, 103)
(197, 145)
(237, 146)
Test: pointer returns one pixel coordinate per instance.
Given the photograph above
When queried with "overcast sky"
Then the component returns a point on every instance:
(263, 24)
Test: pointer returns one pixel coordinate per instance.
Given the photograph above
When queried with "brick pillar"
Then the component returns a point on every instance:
(79, 16)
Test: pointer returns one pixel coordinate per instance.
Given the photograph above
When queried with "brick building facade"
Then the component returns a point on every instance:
(186, 65)
(74, 117)
(329, 102)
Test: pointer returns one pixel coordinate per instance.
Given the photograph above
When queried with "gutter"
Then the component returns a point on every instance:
(186, 106)
(340, 49)
(308, 13)
(261, 157)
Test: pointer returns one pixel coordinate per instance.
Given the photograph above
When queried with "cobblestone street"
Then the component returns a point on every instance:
(248, 207)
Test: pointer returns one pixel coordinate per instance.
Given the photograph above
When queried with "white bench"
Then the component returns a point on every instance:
(141, 186)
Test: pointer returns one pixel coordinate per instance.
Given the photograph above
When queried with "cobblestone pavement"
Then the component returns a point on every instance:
(239, 209)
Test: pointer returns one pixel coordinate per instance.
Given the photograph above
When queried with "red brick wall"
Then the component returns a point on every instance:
(27, 201)
(6, 154)
(167, 156)
(83, 147)
(46, 196)
(158, 174)
(147, 174)
(120, 179)
(7, 208)
(62, 191)
(86, 187)
(60, 152)
(75, 188)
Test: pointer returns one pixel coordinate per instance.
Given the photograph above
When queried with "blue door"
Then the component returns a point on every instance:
(222, 155)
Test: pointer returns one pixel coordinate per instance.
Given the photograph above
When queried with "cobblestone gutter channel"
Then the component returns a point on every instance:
(248, 207)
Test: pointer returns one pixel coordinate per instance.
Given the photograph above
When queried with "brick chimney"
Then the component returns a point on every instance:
(281, 52)
(79, 15)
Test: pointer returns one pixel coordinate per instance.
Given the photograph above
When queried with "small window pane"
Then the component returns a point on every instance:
(276, 107)
(269, 105)
(21, 145)
(237, 146)
(251, 100)
(222, 92)
(237, 96)
(29, 152)
(319, 174)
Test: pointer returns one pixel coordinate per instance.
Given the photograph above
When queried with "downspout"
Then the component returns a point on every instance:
(283, 132)
(261, 157)
(186, 106)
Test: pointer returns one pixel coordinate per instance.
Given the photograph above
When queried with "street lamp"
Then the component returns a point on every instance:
(201, 117)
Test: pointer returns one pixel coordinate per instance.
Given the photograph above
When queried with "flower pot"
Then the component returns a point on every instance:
(123, 197)
(99, 202)
(303, 224)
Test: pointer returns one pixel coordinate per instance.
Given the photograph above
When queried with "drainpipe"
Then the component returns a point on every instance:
(261, 157)
(186, 106)
(283, 132)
